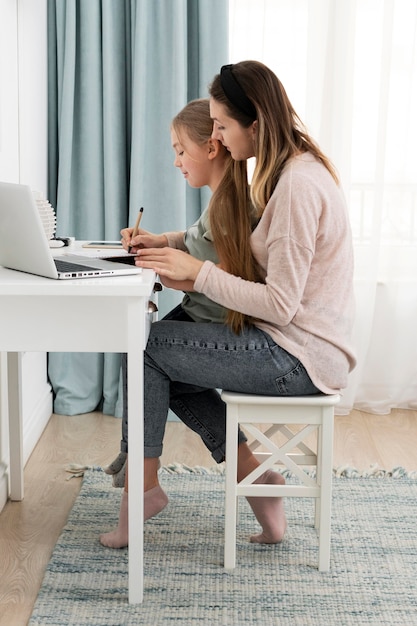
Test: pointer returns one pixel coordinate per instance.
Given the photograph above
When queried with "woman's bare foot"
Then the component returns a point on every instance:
(269, 511)
(154, 501)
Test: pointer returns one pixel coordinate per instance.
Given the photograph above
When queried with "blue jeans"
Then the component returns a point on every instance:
(177, 313)
(186, 362)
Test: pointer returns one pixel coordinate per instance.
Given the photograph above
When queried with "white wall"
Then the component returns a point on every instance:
(23, 159)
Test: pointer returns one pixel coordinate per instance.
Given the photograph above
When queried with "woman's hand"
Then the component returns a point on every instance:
(170, 262)
(143, 239)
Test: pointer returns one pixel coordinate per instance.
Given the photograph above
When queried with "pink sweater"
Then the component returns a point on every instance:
(303, 245)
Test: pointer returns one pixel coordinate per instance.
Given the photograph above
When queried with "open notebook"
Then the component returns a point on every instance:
(24, 246)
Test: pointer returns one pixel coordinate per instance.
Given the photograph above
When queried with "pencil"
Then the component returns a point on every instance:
(136, 226)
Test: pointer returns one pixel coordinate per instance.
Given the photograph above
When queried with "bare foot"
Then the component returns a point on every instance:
(118, 538)
(269, 511)
(154, 501)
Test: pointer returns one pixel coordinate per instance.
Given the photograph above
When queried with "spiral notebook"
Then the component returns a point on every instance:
(24, 245)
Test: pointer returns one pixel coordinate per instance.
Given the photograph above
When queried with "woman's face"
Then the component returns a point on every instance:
(239, 141)
(191, 158)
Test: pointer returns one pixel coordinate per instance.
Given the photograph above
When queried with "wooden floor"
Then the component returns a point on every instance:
(29, 529)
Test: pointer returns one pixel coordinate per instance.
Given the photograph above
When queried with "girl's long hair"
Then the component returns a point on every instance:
(280, 132)
(231, 214)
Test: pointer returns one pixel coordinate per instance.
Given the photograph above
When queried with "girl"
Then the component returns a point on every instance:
(203, 161)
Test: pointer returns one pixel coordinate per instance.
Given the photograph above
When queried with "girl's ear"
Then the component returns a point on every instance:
(213, 147)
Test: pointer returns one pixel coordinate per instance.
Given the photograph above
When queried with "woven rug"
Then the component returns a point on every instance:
(372, 581)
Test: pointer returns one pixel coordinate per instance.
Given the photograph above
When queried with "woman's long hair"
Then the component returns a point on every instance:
(280, 133)
(231, 214)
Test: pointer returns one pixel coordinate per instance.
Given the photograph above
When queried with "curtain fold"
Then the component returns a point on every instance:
(118, 72)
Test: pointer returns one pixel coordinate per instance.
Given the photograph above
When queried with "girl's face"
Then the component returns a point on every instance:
(192, 159)
(239, 141)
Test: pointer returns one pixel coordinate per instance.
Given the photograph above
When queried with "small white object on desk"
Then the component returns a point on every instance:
(56, 243)
(47, 213)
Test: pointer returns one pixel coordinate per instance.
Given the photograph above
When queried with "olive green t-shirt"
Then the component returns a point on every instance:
(199, 243)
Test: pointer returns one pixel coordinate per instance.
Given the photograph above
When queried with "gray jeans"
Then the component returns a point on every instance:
(187, 362)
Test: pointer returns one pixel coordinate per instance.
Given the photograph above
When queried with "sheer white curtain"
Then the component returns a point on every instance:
(350, 69)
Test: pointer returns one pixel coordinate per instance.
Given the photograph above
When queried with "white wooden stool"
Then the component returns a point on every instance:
(314, 413)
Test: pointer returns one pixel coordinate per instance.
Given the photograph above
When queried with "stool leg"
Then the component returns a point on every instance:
(325, 462)
(317, 501)
(230, 487)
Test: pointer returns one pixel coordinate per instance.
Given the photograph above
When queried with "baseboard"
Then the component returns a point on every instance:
(4, 485)
(36, 422)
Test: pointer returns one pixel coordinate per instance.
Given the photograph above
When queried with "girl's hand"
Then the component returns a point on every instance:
(170, 262)
(143, 239)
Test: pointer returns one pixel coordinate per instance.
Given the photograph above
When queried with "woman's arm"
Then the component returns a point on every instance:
(169, 263)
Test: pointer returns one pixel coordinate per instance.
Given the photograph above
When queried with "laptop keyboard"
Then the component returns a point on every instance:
(67, 266)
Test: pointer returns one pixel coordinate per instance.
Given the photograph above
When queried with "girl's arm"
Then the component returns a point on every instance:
(145, 239)
(180, 285)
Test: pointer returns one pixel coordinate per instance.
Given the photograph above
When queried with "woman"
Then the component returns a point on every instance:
(297, 316)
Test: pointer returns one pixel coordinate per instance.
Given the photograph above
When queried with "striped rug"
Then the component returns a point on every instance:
(372, 581)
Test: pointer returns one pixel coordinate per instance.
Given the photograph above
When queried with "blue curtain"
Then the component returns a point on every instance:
(118, 71)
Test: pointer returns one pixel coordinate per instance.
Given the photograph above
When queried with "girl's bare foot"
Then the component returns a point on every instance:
(154, 501)
(119, 538)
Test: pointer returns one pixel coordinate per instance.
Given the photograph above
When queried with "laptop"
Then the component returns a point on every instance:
(24, 245)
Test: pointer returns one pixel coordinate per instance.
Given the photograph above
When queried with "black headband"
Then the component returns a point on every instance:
(234, 92)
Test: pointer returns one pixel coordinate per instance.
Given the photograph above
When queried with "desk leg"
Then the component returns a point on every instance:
(135, 413)
(14, 382)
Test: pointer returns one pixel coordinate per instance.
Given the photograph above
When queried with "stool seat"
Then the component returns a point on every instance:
(313, 414)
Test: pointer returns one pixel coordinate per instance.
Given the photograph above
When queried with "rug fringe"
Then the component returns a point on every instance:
(344, 471)
(77, 471)
(374, 472)
(181, 468)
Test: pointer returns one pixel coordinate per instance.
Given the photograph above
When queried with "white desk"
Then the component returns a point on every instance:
(85, 315)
